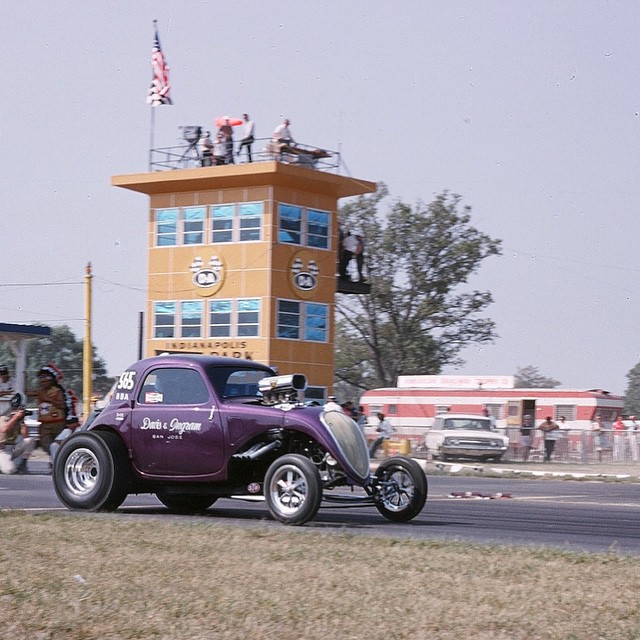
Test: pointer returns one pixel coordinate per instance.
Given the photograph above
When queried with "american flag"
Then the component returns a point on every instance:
(159, 89)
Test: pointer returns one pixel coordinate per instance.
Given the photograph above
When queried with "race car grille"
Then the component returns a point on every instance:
(350, 440)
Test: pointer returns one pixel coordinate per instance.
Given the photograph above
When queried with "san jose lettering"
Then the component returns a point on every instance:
(174, 426)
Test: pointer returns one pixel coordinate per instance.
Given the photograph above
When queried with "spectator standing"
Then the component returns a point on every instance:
(385, 429)
(349, 245)
(52, 405)
(601, 437)
(15, 444)
(7, 383)
(219, 149)
(227, 133)
(205, 146)
(72, 423)
(632, 435)
(331, 404)
(347, 407)
(359, 255)
(361, 418)
(550, 430)
(618, 430)
(526, 436)
(247, 136)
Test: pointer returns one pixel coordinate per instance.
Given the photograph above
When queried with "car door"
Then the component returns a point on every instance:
(175, 426)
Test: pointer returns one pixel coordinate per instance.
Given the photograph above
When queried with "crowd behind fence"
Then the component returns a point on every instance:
(578, 446)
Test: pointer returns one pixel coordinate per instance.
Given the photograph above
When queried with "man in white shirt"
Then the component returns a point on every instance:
(348, 250)
(205, 145)
(282, 133)
(282, 138)
(332, 405)
(386, 430)
(247, 136)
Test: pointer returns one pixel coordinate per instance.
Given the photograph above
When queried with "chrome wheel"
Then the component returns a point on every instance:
(293, 489)
(288, 489)
(91, 471)
(81, 472)
(398, 491)
(401, 490)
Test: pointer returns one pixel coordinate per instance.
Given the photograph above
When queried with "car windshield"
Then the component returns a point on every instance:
(467, 423)
(234, 382)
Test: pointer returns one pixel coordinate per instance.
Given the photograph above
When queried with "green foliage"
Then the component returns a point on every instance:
(418, 316)
(529, 377)
(63, 349)
(632, 394)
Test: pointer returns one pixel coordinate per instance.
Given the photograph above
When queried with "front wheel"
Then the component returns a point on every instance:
(184, 503)
(402, 489)
(91, 471)
(293, 489)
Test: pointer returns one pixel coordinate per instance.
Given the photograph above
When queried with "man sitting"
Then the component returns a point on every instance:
(15, 444)
(282, 140)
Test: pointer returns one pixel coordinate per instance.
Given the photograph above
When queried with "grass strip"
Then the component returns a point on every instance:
(93, 576)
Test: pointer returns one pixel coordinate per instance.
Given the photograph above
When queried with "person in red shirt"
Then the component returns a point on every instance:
(618, 429)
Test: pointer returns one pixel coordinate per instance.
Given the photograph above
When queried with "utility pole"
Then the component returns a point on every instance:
(87, 368)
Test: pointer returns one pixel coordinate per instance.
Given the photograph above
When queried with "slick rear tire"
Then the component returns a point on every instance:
(91, 471)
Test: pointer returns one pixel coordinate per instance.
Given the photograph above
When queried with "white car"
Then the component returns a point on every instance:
(461, 435)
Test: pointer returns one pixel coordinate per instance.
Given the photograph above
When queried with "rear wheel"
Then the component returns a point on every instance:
(293, 489)
(402, 489)
(91, 471)
(184, 503)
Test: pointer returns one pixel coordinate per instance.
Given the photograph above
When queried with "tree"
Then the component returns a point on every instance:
(63, 349)
(632, 394)
(529, 377)
(418, 317)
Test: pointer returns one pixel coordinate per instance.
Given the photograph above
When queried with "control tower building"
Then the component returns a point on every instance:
(242, 258)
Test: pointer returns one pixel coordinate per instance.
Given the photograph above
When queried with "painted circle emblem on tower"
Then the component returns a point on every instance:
(304, 272)
(207, 277)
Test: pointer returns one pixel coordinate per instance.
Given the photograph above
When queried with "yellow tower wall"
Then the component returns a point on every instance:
(263, 269)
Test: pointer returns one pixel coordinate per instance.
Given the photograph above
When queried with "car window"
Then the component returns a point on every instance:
(467, 423)
(173, 386)
(235, 382)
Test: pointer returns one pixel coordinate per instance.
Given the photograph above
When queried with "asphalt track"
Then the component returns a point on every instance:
(589, 516)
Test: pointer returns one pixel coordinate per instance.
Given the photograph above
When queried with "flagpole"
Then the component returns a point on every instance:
(152, 126)
(152, 135)
(159, 90)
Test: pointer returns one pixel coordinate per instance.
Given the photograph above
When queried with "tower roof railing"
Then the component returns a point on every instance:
(188, 155)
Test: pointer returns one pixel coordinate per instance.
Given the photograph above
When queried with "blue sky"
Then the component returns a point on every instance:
(529, 111)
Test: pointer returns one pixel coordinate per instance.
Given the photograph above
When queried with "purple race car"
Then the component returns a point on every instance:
(192, 429)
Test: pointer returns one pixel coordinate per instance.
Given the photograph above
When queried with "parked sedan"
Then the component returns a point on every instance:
(459, 435)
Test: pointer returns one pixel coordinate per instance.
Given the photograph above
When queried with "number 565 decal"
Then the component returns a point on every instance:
(126, 380)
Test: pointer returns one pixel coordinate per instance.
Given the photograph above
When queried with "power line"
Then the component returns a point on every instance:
(38, 284)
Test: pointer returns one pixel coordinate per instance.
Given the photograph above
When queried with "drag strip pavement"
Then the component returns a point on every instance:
(568, 514)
